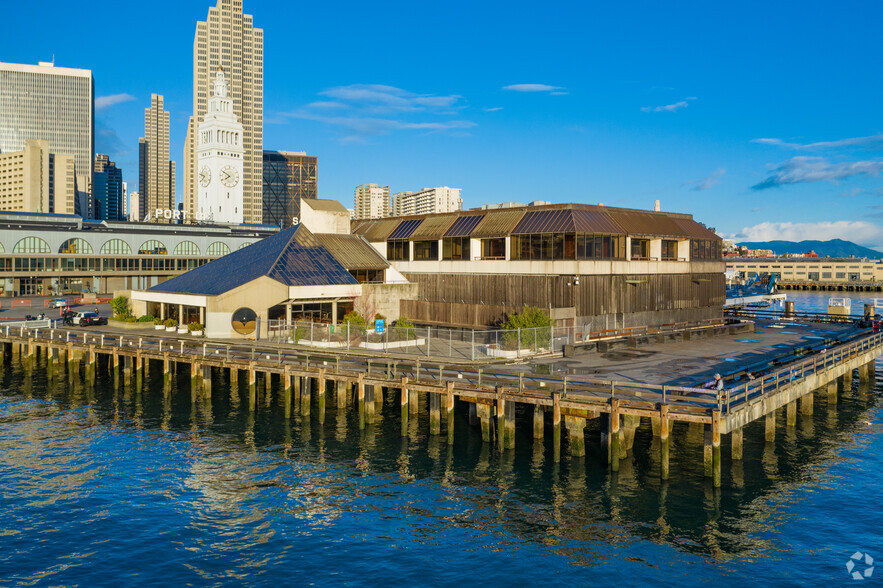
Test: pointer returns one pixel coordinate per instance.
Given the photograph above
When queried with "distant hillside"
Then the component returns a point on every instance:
(832, 248)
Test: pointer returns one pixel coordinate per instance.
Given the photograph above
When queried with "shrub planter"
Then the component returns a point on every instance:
(159, 327)
(171, 329)
(196, 333)
(308, 343)
(183, 330)
(394, 344)
(494, 351)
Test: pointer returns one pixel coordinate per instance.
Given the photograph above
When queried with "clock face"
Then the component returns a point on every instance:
(205, 176)
(229, 176)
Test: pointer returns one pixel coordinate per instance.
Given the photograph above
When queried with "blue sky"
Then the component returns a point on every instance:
(761, 119)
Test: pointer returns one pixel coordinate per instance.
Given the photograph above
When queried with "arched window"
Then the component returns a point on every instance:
(32, 245)
(76, 245)
(152, 247)
(244, 245)
(2, 248)
(218, 249)
(186, 248)
(116, 247)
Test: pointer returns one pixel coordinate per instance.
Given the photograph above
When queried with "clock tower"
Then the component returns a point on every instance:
(219, 155)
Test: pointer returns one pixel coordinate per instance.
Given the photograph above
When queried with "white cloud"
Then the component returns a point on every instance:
(869, 141)
(377, 109)
(861, 232)
(709, 181)
(493, 109)
(103, 102)
(803, 169)
(554, 90)
(669, 107)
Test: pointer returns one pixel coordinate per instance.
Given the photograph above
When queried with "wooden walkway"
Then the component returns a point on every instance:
(563, 403)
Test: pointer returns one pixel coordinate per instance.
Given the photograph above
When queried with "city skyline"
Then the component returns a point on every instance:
(748, 126)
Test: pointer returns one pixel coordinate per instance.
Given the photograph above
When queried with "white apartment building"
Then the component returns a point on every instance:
(56, 104)
(372, 201)
(427, 201)
(35, 180)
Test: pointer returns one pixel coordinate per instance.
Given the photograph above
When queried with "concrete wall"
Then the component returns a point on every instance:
(386, 298)
(259, 295)
(324, 221)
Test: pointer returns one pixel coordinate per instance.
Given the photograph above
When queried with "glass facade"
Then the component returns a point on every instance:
(398, 250)
(288, 178)
(425, 250)
(553, 246)
(706, 249)
(455, 248)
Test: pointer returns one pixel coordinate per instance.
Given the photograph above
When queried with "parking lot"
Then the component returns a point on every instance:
(38, 305)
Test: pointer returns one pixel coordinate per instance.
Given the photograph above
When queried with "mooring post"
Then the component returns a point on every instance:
(664, 429)
(252, 386)
(736, 444)
(404, 403)
(716, 447)
(791, 414)
(434, 413)
(449, 406)
(576, 435)
(556, 426)
(286, 392)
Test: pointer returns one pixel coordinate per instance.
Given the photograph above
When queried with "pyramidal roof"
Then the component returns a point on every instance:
(292, 257)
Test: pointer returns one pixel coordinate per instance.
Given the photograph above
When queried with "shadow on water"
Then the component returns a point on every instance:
(254, 475)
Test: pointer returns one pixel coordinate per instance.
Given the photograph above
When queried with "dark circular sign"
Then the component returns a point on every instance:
(244, 321)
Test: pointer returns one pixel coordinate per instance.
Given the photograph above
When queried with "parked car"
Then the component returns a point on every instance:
(59, 303)
(84, 319)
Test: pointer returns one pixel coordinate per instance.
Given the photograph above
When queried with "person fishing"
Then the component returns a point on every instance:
(717, 383)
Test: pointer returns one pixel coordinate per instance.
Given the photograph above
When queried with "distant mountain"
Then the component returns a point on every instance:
(832, 248)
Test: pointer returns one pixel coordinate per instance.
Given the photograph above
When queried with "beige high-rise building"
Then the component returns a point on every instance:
(156, 173)
(427, 201)
(56, 104)
(228, 40)
(372, 201)
(35, 180)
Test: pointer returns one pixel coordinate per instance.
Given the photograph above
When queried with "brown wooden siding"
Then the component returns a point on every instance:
(485, 298)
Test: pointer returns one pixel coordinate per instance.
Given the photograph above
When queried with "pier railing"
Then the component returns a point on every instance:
(814, 317)
(575, 391)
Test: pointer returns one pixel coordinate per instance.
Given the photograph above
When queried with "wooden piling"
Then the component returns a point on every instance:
(791, 414)
(716, 447)
(405, 398)
(306, 394)
(252, 387)
(434, 413)
(832, 393)
(664, 429)
(806, 404)
(369, 402)
(613, 435)
(770, 426)
(286, 393)
(449, 406)
(340, 392)
(538, 416)
(322, 387)
(556, 426)
(576, 435)
(736, 444)
(483, 412)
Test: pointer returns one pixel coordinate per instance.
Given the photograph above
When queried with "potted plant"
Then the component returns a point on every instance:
(195, 329)
(158, 324)
(171, 325)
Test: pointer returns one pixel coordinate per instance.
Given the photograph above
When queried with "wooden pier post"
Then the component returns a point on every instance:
(770, 427)
(234, 377)
(576, 435)
(716, 447)
(166, 372)
(434, 413)
(369, 402)
(556, 426)
(847, 382)
(500, 425)
(613, 436)
(286, 393)
(306, 393)
(207, 381)
(252, 387)
(630, 424)
(413, 402)
(340, 391)
(322, 388)
(483, 411)
(405, 398)
(360, 398)
(736, 443)
(708, 451)
(509, 430)
(296, 384)
(806, 404)
(791, 414)
(664, 430)
(832, 393)
(449, 406)
(378, 397)
(194, 379)
(538, 415)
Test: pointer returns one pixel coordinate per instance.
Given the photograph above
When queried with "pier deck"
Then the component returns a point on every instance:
(616, 387)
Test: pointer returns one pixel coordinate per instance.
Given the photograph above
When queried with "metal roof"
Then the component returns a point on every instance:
(648, 223)
(498, 224)
(404, 230)
(433, 227)
(464, 225)
(376, 230)
(352, 251)
(281, 257)
(695, 230)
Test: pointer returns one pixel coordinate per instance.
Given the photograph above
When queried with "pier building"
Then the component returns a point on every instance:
(46, 254)
(598, 266)
(814, 273)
